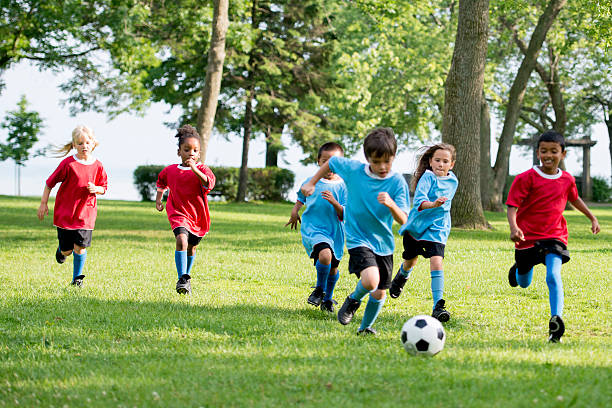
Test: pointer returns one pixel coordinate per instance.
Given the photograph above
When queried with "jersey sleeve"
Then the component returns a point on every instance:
(422, 190)
(343, 195)
(572, 194)
(401, 195)
(162, 180)
(453, 183)
(102, 178)
(518, 190)
(339, 165)
(211, 177)
(58, 175)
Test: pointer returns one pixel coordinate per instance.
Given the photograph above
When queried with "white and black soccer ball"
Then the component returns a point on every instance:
(423, 335)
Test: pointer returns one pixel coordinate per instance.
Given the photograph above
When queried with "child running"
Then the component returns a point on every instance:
(376, 197)
(187, 206)
(535, 203)
(82, 177)
(323, 228)
(429, 223)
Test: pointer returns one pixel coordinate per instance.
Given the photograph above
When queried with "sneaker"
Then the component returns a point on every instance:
(183, 286)
(556, 328)
(316, 296)
(78, 281)
(512, 276)
(328, 306)
(440, 312)
(368, 331)
(59, 257)
(397, 285)
(348, 309)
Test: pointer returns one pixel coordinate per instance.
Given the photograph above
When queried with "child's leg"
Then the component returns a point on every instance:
(78, 263)
(437, 278)
(191, 253)
(323, 266)
(524, 279)
(373, 308)
(180, 255)
(407, 266)
(330, 285)
(555, 285)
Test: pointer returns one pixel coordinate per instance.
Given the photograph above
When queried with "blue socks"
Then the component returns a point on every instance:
(322, 274)
(78, 263)
(190, 260)
(555, 285)
(180, 259)
(331, 284)
(359, 292)
(437, 285)
(371, 312)
(404, 273)
(524, 280)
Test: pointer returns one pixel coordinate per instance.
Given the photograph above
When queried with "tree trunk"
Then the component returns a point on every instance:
(486, 173)
(462, 108)
(244, 166)
(271, 149)
(214, 73)
(515, 101)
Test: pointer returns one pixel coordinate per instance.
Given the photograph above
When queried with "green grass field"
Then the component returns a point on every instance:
(246, 337)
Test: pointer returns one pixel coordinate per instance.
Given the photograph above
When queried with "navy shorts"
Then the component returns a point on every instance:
(192, 239)
(69, 238)
(426, 249)
(361, 258)
(318, 248)
(527, 258)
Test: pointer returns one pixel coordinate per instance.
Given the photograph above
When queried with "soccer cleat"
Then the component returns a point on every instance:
(512, 276)
(368, 331)
(78, 281)
(316, 296)
(348, 309)
(440, 312)
(59, 257)
(183, 286)
(397, 285)
(556, 328)
(328, 306)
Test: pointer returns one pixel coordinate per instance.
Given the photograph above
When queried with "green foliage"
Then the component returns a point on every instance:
(145, 179)
(602, 191)
(23, 128)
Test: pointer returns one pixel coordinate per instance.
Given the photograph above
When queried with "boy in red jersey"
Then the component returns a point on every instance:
(74, 214)
(535, 203)
(187, 206)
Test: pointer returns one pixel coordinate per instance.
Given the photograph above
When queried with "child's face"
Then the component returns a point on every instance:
(441, 162)
(189, 150)
(84, 146)
(325, 156)
(550, 155)
(381, 165)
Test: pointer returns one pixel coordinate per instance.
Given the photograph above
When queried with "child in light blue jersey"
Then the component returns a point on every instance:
(429, 223)
(323, 228)
(376, 197)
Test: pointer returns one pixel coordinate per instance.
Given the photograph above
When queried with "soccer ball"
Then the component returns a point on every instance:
(423, 336)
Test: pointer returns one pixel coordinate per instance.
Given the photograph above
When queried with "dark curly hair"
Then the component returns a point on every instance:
(380, 142)
(186, 132)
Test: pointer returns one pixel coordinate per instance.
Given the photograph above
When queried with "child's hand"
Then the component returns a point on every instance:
(92, 188)
(42, 211)
(385, 199)
(327, 195)
(293, 220)
(191, 162)
(159, 205)
(517, 235)
(307, 189)
(595, 226)
(439, 202)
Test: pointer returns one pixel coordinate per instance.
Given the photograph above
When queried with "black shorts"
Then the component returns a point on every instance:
(426, 249)
(318, 248)
(69, 238)
(530, 257)
(361, 258)
(192, 239)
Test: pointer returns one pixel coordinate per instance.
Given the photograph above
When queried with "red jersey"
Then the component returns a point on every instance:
(541, 199)
(187, 204)
(75, 207)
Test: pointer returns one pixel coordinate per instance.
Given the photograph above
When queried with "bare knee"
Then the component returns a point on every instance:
(79, 250)
(181, 242)
(325, 256)
(435, 263)
(409, 263)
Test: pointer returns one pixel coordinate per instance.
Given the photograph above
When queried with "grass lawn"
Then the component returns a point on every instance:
(246, 337)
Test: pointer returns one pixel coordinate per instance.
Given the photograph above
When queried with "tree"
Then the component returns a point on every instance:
(462, 109)
(23, 128)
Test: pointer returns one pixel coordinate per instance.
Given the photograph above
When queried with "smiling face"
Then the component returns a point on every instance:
(381, 165)
(325, 156)
(83, 145)
(441, 162)
(550, 155)
(189, 150)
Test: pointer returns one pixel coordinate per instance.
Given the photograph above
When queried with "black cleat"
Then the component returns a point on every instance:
(183, 286)
(556, 328)
(78, 281)
(59, 257)
(328, 306)
(440, 312)
(368, 331)
(316, 296)
(397, 285)
(512, 276)
(348, 309)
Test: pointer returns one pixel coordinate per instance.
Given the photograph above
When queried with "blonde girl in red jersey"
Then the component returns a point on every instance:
(187, 206)
(82, 177)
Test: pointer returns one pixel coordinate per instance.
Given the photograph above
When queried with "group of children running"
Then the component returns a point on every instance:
(347, 202)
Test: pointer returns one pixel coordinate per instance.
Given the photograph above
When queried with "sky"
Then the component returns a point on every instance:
(130, 141)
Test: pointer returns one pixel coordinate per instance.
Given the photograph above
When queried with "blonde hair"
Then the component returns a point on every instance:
(79, 131)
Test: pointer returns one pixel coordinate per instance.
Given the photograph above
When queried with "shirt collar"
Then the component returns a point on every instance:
(548, 176)
(448, 176)
(91, 160)
(374, 176)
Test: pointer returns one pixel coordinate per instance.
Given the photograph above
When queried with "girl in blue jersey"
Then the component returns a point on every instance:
(428, 226)
(323, 228)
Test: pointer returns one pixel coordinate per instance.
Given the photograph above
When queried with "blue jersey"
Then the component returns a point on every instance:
(320, 221)
(368, 222)
(433, 224)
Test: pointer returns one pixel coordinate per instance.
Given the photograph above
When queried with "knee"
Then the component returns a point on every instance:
(325, 256)
(435, 263)
(379, 294)
(79, 250)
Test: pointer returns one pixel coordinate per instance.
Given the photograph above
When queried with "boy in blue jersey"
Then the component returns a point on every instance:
(323, 228)
(429, 223)
(376, 197)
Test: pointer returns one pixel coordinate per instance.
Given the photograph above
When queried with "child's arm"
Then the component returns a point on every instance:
(295, 217)
(309, 187)
(327, 195)
(203, 177)
(427, 205)
(581, 206)
(398, 214)
(44, 209)
(516, 234)
(158, 200)
(93, 189)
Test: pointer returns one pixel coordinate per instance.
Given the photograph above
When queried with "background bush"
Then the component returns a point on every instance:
(602, 191)
(266, 184)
